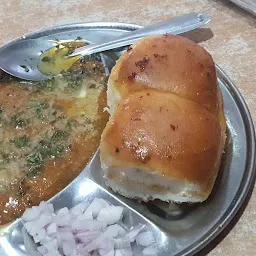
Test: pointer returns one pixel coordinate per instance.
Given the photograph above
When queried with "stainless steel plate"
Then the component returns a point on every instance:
(180, 229)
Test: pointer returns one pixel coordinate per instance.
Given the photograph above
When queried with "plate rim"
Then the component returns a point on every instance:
(248, 178)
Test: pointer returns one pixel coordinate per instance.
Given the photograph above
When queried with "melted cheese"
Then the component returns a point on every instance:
(55, 60)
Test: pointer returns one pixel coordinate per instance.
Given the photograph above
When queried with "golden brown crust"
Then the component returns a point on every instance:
(154, 130)
(170, 117)
(171, 63)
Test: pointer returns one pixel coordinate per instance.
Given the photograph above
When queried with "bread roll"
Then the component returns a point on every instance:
(166, 132)
(168, 63)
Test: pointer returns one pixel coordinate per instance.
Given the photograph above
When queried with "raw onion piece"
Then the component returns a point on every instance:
(110, 214)
(150, 250)
(145, 238)
(94, 229)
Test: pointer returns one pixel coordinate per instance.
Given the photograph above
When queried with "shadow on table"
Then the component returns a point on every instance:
(199, 35)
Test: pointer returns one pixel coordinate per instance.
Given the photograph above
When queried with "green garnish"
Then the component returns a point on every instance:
(25, 68)
(46, 59)
(92, 86)
(99, 68)
(71, 123)
(4, 157)
(47, 85)
(79, 38)
(18, 122)
(33, 171)
(94, 56)
(21, 142)
(39, 106)
(35, 159)
(49, 150)
(59, 135)
(62, 117)
(75, 82)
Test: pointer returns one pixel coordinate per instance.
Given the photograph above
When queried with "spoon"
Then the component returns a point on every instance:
(22, 57)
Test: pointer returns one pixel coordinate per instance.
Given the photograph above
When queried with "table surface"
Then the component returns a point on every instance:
(232, 43)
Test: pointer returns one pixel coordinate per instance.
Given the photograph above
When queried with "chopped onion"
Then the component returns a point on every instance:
(123, 252)
(150, 250)
(110, 214)
(96, 206)
(51, 229)
(114, 231)
(145, 238)
(122, 243)
(79, 208)
(87, 236)
(134, 232)
(93, 229)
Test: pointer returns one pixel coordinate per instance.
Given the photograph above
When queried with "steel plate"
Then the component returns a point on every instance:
(180, 229)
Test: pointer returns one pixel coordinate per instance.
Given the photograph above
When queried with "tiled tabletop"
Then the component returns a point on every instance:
(231, 41)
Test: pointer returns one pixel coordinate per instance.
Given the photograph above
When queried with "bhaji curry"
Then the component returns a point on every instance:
(48, 132)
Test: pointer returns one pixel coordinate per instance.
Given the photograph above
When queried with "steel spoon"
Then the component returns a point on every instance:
(21, 58)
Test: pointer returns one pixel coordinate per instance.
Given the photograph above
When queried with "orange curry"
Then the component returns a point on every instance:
(48, 132)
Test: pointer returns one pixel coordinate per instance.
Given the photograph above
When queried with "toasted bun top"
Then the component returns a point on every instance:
(168, 63)
(154, 130)
(167, 114)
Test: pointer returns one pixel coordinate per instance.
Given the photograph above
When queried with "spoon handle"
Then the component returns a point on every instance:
(175, 25)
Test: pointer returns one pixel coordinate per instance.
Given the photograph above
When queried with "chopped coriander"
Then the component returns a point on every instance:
(18, 122)
(71, 123)
(47, 85)
(99, 68)
(39, 106)
(94, 56)
(25, 68)
(59, 135)
(50, 150)
(21, 142)
(62, 117)
(35, 159)
(75, 82)
(92, 86)
(46, 59)
(4, 157)
(79, 38)
(33, 171)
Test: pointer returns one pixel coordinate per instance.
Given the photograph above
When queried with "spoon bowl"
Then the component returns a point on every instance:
(21, 58)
